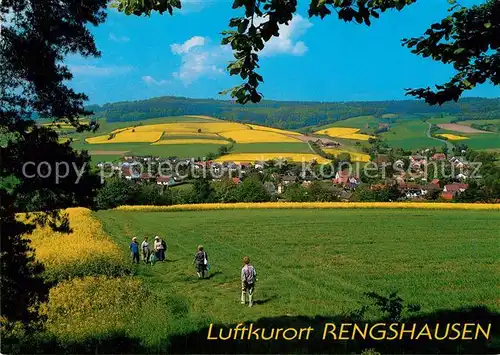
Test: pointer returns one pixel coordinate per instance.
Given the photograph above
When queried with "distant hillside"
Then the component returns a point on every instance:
(292, 114)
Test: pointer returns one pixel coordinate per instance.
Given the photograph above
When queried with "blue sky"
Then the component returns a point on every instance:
(313, 60)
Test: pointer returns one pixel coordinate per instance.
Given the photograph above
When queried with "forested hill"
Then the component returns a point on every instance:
(291, 114)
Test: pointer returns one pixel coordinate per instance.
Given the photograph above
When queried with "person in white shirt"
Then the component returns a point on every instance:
(248, 278)
(158, 248)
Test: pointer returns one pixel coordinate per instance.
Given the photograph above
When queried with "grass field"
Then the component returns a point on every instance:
(315, 262)
(410, 134)
(179, 150)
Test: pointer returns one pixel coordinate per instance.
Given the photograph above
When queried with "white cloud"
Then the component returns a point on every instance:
(200, 59)
(119, 39)
(92, 70)
(287, 42)
(186, 46)
(189, 6)
(152, 81)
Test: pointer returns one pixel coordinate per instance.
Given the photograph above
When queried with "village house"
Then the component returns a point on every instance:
(288, 179)
(146, 177)
(412, 191)
(129, 173)
(165, 180)
(259, 165)
(439, 157)
(417, 162)
(455, 188)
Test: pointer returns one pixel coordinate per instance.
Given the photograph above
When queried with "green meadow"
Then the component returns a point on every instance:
(316, 262)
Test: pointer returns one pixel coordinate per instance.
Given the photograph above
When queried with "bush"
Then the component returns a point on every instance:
(86, 250)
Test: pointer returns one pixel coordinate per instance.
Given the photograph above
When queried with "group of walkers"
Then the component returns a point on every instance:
(158, 252)
(151, 253)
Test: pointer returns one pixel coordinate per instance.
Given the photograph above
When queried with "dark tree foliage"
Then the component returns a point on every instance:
(468, 38)
(35, 38)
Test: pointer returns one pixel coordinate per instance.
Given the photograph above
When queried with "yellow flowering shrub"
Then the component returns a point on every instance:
(90, 309)
(91, 305)
(452, 137)
(312, 205)
(87, 250)
(253, 157)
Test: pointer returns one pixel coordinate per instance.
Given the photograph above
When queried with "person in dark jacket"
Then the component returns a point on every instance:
(164, 244)
(201, 261)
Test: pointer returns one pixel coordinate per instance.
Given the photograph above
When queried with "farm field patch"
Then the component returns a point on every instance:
(452, 137)
(253, 157)
(344, 132)
(277, 147)
(355, 156)
(191, 141)
(460, 128)
(256, 136)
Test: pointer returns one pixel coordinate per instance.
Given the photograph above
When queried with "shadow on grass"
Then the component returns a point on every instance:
(197, 342)
(213, 274)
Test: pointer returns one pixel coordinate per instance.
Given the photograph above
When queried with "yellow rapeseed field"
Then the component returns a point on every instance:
(255, 136)
(136, 137)
(355, 156)
(192, 127)
(191, 141)
(239, 132)
(452, 137)
(98, 139)
(276, 130)
(184, 135)
(253, 157)
(344, 132)
(313, 205)
(91, 306)
(87, 241)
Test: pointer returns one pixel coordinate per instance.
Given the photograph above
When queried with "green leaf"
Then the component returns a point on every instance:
(487, 25)
(9, 183)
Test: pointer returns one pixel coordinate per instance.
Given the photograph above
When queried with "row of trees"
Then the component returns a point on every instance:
(290, 115)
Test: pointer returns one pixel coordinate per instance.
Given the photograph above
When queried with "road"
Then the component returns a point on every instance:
(449, 145)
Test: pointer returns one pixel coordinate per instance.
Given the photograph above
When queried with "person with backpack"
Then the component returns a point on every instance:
(201, 261)
(248, 278)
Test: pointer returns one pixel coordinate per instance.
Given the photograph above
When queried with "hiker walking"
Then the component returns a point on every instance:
(164, 252)
(201, 261)
(134, 250)
(146, 251)
(248, 278)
